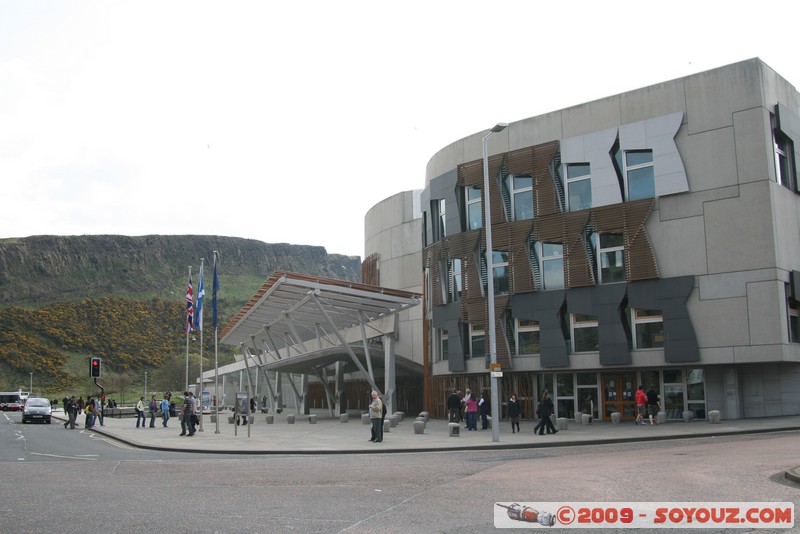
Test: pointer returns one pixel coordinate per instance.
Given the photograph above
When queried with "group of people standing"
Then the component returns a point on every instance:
(467, 407)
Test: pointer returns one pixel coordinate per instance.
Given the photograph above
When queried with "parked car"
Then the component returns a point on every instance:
(36, 409)
(12, 407)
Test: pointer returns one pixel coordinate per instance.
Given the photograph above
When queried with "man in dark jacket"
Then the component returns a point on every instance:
(454, 407)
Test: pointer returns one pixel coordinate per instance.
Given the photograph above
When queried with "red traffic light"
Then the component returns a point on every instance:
(94, 368)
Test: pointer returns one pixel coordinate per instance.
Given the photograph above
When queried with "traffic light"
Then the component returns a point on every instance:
(94, 368)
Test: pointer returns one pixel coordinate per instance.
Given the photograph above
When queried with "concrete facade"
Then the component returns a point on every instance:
(720, 217)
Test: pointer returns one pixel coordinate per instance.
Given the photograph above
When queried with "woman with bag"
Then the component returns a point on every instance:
(153, 407)
(514, 411)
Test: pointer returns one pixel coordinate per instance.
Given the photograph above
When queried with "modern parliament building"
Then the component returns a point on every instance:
(648, 238)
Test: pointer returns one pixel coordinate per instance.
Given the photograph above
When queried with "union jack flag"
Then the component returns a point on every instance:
(189, 307)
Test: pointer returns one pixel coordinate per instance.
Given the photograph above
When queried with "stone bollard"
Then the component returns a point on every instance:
(387, 425)
(231, 419)
(419, 427)
(290, 419)
(616, 417)
(579, 418)
(425, 415)
(661, 418)
(586, 419)
(714, 416)
(365, 419)
(421, 419)
(489, 421)
(454, 430)
(270, 419)
(312, 419)
(213, 418)
(688, 416)
(393, 420)
(561, 423)
(344, 418)
(401, 415)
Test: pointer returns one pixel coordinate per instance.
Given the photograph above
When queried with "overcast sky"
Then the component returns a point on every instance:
(287, 121)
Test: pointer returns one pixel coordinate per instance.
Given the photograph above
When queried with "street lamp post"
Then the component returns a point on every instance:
(30, 390)
(487, 211)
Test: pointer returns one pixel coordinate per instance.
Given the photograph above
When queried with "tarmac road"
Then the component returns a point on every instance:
(449, 491)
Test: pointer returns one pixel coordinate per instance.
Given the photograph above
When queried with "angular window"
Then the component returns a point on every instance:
(794, 321)
(585, 333)
(477, 341)
(610, 253)
(500, 272)
(648, 329)
(527, 337)
(637, 173)
(551, 264)
(579, 186)
(438, 219)
(472, 197)
(784, 160)
(443, 352)
(455, 280)
(520, 190)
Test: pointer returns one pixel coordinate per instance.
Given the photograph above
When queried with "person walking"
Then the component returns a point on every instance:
(514, 411)
(98, 411)
(485, 409)
(546, 409)
(653, 404)
(641, 405)
(187, 423)
(140, 417)
(89, 421)
(152, 407)
(164, 411)
(376, 417)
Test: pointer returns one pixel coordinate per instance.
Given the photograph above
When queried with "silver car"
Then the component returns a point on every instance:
(36, 409)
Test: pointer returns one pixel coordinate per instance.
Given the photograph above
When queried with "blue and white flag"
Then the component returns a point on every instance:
(198, 314)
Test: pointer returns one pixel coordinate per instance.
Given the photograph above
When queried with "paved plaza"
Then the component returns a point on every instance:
(329, 435)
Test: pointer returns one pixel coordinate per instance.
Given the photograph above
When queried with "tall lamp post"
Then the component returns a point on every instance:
(487, 211)
(30, 390)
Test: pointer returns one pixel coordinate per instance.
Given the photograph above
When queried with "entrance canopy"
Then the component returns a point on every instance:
(303, 318)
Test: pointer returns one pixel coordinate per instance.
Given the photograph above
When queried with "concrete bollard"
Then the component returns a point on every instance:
(425, 415)
(661, 418)
(393, 420)
(312, 419)
(453, 430)
(419, 427)
(231, 419)
(270, 419)
(688, 416)
(387, 425)
(365, 419)
(586, 419)
(344, 418)
(714, 416)
(579, 418)
(616, 417)
(290, 419)
(561, 423)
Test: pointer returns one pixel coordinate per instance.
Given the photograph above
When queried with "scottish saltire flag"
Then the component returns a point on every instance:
(189, 307)
(214, 289)
(198, 314)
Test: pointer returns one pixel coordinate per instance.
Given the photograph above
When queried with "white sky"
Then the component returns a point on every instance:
(288, 121)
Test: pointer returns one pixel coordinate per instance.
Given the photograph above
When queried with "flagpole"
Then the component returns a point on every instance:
(214, 288)
(189, 306)
(199, 323)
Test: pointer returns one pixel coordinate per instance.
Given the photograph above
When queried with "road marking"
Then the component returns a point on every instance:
(60, 456)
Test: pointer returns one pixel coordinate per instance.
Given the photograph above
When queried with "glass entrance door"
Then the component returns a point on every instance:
(619, 395)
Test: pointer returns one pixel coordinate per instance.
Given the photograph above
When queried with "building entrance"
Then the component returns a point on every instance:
(619, 395)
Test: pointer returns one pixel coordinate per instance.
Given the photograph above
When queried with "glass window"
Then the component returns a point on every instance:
(784, 159)
(474, 208)
(587, 379)
(477, 341)
(500, 272)
(442, 345)
(648, 329)
(585, 333)
(673, 376)
(639, 174)
(543, 381)
(579, 186)
(610, 257)
(527, 336)
(455, 281)
(521, 193)
(551, 257)
(565, 383)
(794, 322)
(438, 219)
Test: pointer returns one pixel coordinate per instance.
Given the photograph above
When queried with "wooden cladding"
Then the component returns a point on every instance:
(369, 270)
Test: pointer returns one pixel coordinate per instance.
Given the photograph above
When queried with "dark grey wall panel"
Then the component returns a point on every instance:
(545, 307)
(446, 318)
